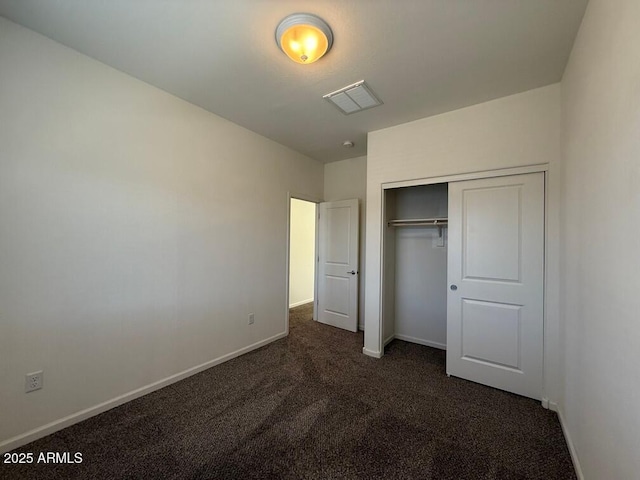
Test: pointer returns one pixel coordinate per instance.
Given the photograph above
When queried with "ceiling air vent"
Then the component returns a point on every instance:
(353, 98)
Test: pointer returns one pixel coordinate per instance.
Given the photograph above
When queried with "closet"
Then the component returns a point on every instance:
(463, 270)
(415, 264)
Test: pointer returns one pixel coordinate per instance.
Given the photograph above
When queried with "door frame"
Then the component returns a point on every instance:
(547, 354)
(316, 201)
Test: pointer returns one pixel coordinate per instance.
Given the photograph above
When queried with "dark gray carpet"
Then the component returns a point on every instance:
(313, 406)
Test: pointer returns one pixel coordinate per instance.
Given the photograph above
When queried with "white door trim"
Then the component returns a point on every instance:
(503, 172)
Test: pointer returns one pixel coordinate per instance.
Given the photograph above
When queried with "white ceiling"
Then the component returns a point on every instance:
(421, 57)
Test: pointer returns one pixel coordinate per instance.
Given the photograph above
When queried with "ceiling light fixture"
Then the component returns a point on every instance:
(304, 37)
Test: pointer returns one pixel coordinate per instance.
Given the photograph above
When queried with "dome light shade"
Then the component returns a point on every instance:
(304, 37)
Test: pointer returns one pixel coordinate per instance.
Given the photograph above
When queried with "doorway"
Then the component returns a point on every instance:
(302, 252)
(323, 261)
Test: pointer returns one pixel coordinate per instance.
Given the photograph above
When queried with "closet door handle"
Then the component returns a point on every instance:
(352, 272)
(454, 287)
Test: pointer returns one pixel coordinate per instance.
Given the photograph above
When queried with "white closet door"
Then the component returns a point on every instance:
(496, 279)
(338, 264)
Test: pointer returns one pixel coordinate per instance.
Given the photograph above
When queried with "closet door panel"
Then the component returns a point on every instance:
(490, 333)
(495, 276)
(492, 233)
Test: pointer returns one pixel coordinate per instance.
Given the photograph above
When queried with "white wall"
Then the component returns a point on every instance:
(420, 287)
(514, 131)
(137, 232)
(420, 290)
(302, 252)
(601, 227)
(344, 180)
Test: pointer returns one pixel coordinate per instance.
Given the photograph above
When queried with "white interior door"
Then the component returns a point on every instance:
(496, 280)
(338, 264)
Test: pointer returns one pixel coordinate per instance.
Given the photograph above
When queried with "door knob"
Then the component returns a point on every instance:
(352, 272)
(454, 287)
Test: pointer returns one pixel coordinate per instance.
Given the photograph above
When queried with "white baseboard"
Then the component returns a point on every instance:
(361, 327)
(371, 353)
(549, 404)
(420, 341)
(567, 437)
(77, 417)
(303, 302)
(388, 340)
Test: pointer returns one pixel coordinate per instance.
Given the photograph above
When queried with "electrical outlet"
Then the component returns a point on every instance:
(252, 318)
(33, 381)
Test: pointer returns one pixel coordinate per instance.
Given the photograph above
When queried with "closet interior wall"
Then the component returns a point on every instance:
(415, 267)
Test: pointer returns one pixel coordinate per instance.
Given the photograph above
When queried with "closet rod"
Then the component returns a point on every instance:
(419, 222)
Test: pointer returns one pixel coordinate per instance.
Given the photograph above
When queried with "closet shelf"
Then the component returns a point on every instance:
(418, 222)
